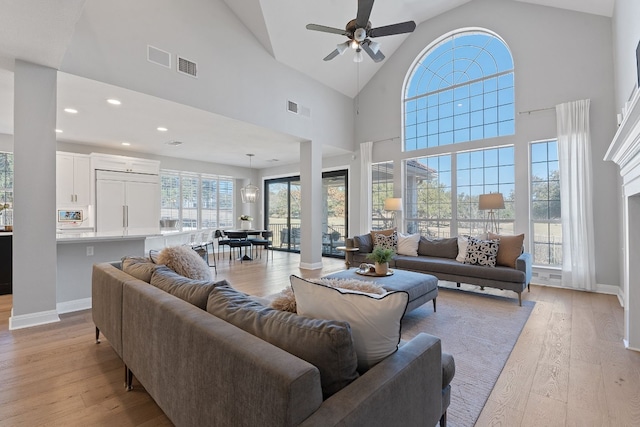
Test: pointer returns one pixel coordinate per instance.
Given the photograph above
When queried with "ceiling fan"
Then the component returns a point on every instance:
(359, 32)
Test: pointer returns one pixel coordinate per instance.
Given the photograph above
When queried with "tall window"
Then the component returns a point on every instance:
(382, 188)
(545, 204)
(460, 90)
(197, 200)
(441, 192)
(6, 186)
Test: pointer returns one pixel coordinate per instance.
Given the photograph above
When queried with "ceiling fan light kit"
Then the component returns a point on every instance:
(359, 33)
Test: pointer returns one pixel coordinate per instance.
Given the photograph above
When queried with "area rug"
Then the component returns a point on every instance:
(479, 330)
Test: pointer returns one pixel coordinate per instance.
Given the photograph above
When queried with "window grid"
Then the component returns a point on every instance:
(381, 189)
(545, 206)
(197, 200)
(461, 90)
(6, 184)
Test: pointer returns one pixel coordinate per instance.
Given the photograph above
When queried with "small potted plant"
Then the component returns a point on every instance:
(381, 256)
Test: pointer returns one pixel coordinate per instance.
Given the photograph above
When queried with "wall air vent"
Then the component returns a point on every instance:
(187, 67)
(158, 56)
(292, 107)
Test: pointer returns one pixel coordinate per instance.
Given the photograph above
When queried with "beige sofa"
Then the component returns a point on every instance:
(202, 370)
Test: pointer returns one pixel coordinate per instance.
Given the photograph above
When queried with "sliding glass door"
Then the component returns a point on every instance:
(283, 207)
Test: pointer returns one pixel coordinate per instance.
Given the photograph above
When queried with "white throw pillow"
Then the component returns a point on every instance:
(374, 319)
(463, 241)
(408, 244)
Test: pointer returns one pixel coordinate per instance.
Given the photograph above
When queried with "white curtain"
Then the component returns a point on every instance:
(366, 158)
(574, 155)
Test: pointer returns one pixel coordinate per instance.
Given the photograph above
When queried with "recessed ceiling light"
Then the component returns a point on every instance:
(126, 143)
(71, 110)
(162, 129)
(58, 130)
(113, 101)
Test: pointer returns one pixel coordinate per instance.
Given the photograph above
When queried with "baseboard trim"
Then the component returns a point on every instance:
(311, 266)
(75, 305)
(32, 319)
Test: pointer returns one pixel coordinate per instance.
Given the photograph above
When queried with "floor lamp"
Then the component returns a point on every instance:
(394, 205)
(491, 202)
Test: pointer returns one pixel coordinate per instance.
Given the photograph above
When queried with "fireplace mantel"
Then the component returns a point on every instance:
(625, 147)
(625, 151)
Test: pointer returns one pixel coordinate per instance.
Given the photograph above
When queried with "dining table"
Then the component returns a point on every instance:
(242, 234)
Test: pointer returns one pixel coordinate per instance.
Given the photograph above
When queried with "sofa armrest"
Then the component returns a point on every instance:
(523, 263)
(406, 386)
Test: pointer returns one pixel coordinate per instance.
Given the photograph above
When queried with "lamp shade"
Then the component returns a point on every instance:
(393, 204)
(490, 201)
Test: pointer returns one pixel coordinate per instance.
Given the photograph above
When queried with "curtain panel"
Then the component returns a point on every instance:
(576, 177)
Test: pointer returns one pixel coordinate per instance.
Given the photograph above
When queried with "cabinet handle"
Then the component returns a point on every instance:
(124, 216)
(127, 217)
(72, 198)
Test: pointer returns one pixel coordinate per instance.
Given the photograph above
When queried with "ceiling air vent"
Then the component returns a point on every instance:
(292, 107)
(158, 56)
(187, 67)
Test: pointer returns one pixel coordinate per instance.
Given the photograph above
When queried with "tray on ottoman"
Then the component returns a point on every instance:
(421, 287)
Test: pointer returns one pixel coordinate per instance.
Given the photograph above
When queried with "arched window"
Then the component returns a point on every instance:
(459, 90)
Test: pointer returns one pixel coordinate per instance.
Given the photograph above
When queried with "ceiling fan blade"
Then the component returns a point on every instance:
(364, 11)
(389, 30)
(332, 55)
(324, 29)
(377, 57)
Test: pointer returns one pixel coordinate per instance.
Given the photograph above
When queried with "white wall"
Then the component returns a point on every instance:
(626, 35)
(559, 56)
(237, 76)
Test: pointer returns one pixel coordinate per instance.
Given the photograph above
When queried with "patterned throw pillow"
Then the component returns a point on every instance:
(482, 252)
(387, 242)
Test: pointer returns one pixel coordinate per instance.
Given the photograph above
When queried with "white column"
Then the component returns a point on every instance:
(34, 238)
(311, 221)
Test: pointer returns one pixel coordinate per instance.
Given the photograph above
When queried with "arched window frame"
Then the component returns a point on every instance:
(428, 124)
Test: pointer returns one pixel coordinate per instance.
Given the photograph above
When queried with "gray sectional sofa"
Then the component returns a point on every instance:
(202, 370)
(438, 257)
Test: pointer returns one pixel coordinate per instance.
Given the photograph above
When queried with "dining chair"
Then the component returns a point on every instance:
(265, 242)
(222, 241)
(238, 239)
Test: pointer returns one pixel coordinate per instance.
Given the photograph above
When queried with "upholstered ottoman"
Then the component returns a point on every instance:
(420, 287)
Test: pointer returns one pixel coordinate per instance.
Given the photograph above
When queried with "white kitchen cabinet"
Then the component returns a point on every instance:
(127, 201)
(73, 179)
(110, 162)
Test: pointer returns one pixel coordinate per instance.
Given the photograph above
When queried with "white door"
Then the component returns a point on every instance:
(110, 205)
(143, 205)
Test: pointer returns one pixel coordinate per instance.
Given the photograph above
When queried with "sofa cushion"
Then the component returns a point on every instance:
(386, 232)
(286, 300)
(364, 242)
(408, 244)
(482, 252)
(387, 242)
(326, 344)
(509, 250)
(374, 319)
(139, 267)
(193, 291)
(442, 248)
(450, 267)
(185, 261)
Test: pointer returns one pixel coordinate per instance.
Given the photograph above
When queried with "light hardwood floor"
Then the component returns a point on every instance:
(568, 368)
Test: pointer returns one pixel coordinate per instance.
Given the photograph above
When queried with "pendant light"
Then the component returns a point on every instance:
(249, 192)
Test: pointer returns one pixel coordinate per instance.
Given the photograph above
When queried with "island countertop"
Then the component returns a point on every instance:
(105, 236)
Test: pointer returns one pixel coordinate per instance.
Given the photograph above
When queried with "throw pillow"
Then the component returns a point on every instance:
(286, 300)
(192, 291)
(408, 244)
(441, 248)
(463, 241)
(326, 344)
(387, 232)
(509, 250)
(374, 319)
(387, 242)
(139, 267)
(482, 252)
(185, 261)
(364, 243)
